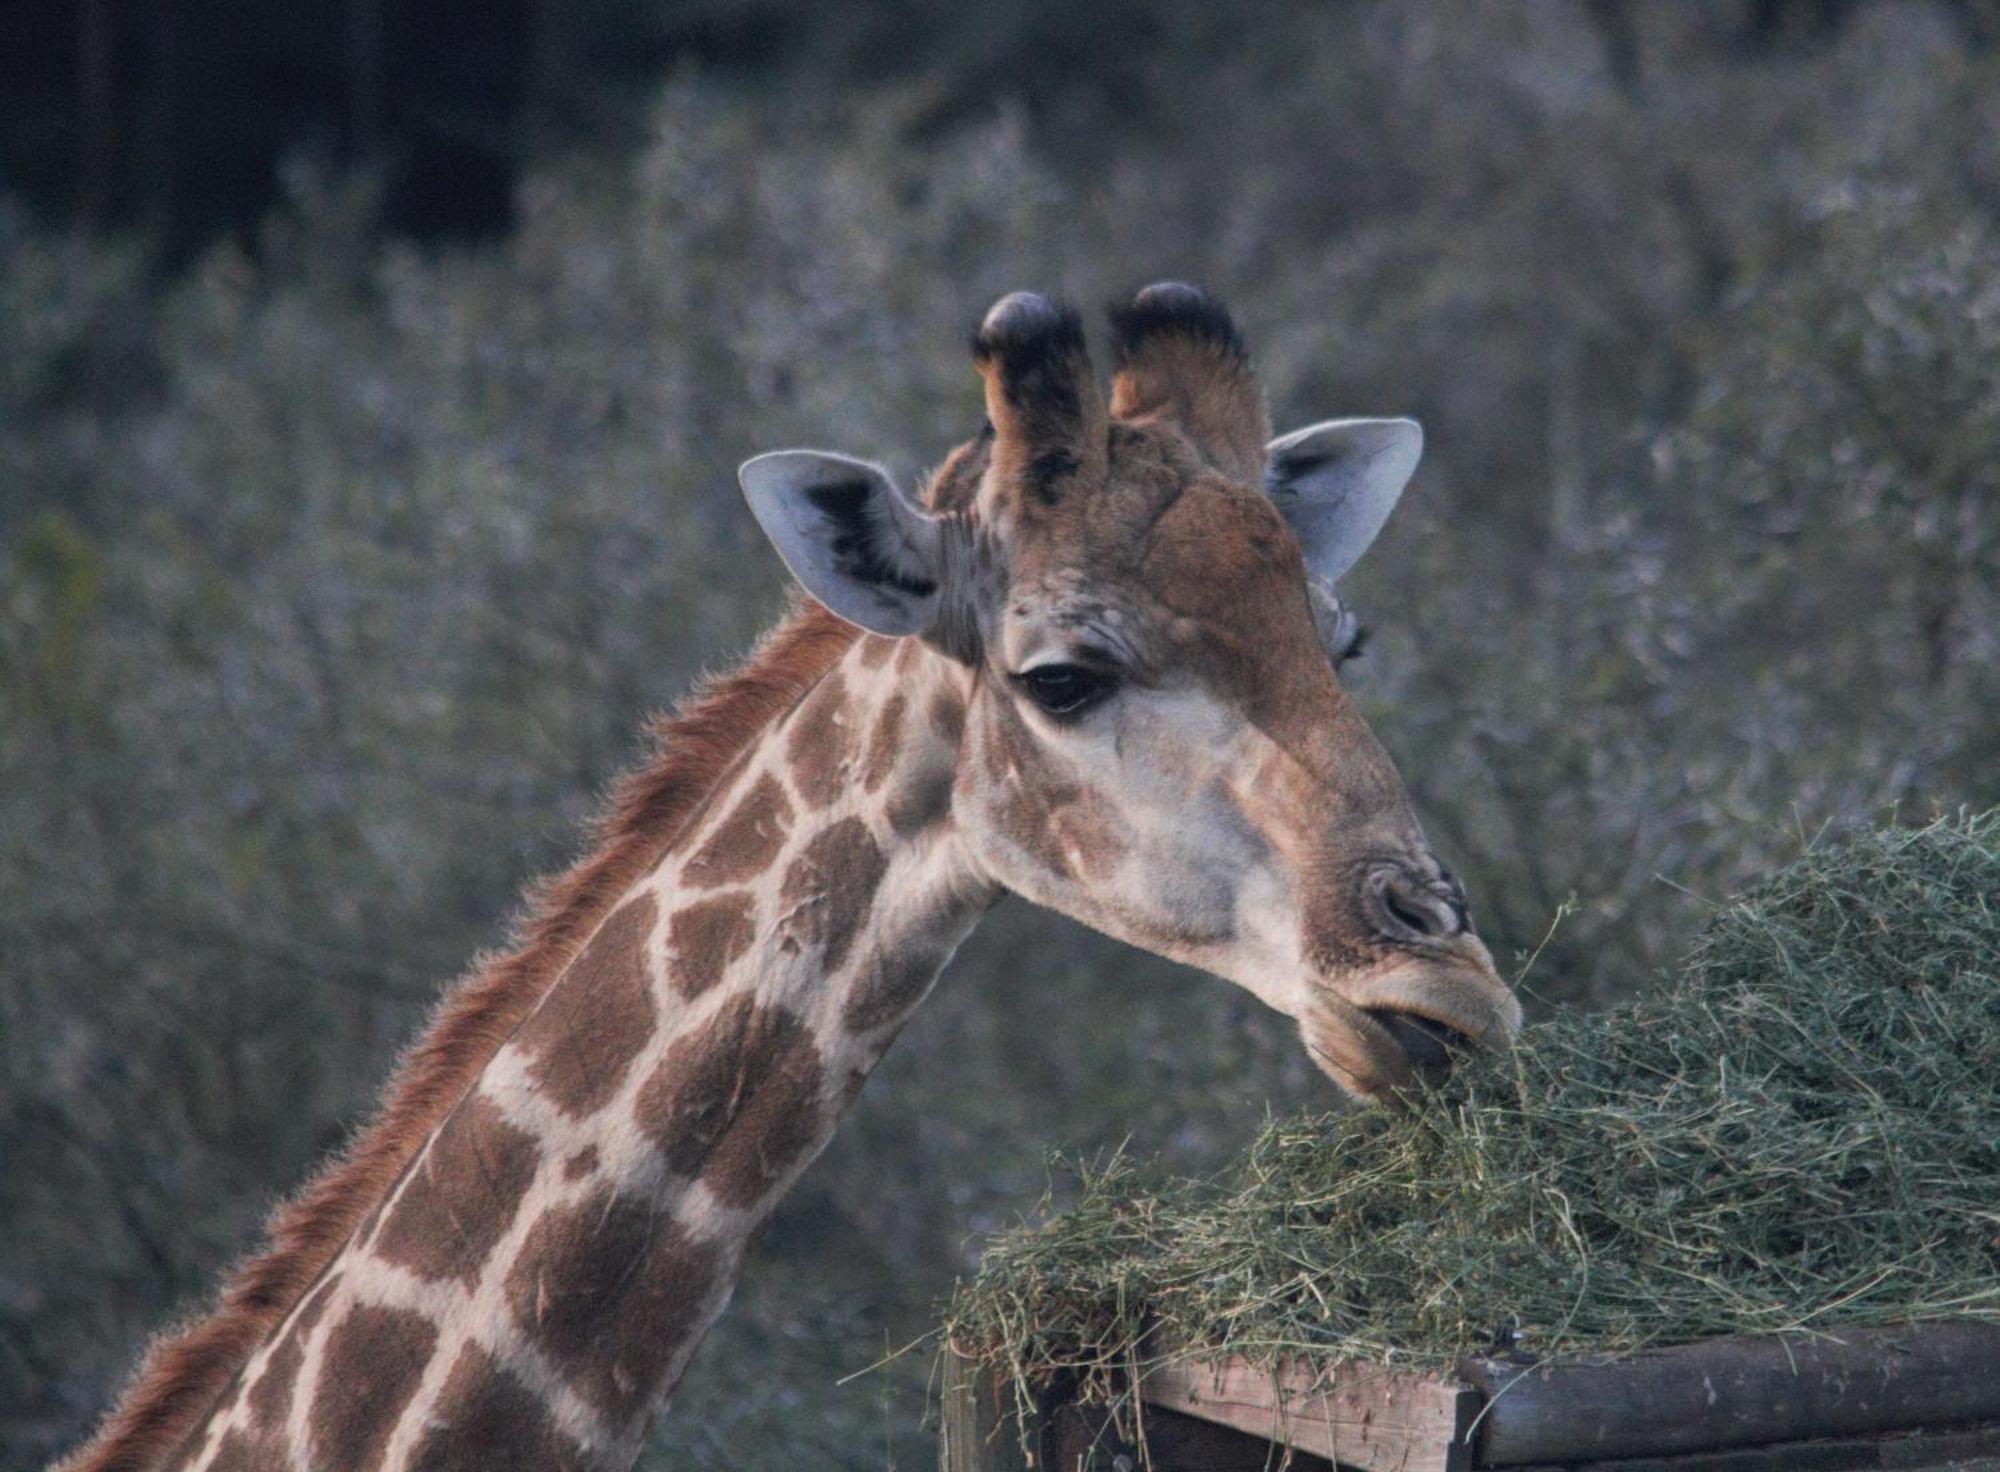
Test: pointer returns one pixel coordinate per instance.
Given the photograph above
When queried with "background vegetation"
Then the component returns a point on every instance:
(342, 554)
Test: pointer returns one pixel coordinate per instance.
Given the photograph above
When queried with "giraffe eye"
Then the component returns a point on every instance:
(1357, 644)
(1066, 689)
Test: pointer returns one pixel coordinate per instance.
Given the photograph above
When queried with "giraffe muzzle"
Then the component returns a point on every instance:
(1410, 1022)
(1432, 1047)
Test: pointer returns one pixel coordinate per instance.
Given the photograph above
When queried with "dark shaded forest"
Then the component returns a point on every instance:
(372, 381)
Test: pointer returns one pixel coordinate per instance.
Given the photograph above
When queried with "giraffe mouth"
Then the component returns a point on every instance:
(1410, 1025)
(1431, 1046)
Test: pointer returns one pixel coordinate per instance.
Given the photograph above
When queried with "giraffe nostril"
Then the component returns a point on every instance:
(1411, 916)
(1406, 907)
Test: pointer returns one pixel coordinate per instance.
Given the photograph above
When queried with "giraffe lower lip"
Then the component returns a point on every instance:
(1431, 1046)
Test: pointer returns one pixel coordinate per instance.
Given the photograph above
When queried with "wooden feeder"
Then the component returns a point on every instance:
(1926, 1396)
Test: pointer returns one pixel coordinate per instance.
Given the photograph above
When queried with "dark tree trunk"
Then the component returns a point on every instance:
(160, 119)
(364, 79)
(98, 134)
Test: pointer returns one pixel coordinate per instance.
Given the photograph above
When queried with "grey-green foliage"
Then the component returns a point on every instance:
(335, 579)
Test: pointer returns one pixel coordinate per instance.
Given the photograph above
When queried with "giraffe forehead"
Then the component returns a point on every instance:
(1211, 571)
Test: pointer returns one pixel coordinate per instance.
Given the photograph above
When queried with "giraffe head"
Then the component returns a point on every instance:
(1155, 741)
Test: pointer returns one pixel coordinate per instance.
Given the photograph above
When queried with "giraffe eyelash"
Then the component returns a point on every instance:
(1357, 645)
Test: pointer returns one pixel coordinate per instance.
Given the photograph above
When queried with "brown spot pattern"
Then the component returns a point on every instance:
(883, 743)
(598, 1017)
(270, 1398)
(921, 801)
(461, 1196)
(948, 717)
(889, 985)
(609, 1289)
(737, 1104)
(235, 1454)
(373, 1360)
(580, 1164)
(1065, 827)
(874, 650)
(705, 937)
(830, 887)
(486, 1418)
(746, 841)
(819, 743)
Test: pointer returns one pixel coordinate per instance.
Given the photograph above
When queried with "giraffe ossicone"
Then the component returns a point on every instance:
(1089, 664)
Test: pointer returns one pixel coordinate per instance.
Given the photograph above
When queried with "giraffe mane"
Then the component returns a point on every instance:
(186, 1367)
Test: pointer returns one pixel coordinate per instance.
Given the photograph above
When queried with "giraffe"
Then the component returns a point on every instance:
(1093, 663)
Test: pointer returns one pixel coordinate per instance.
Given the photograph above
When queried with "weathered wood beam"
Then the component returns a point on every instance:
(1358, 1415)
(979, 1432)
(1737, 1393)
(1723, 1405)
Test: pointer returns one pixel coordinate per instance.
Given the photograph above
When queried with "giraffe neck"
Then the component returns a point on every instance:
(530, 1291)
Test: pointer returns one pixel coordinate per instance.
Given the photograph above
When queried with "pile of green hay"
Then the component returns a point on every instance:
(1799, 1132)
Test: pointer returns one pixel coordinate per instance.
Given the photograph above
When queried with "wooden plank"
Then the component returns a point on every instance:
(1076, 1440)
(1736, 1392)
(978, 1432)
(1359, 1415)
(1080, 1441)
(1975, 1449)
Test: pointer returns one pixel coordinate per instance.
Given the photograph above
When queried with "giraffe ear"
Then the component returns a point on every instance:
(1336, 483)
(851, 538)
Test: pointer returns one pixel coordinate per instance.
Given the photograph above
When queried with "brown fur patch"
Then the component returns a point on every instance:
(580, 1164)
(745, 842)
(373, 1359)
(486, 1418)
(461, 1197)
(598, 1018)
(185, 1370)
(883, 744)
(270, 1398)
(609, 1289)
(1064, 826)
(820, 744)
(705, 937)
(830, 887)
(889, 985)
(920, 802)
(737, 1104)
(236, 1454)
(948, 717)
(874, 651)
